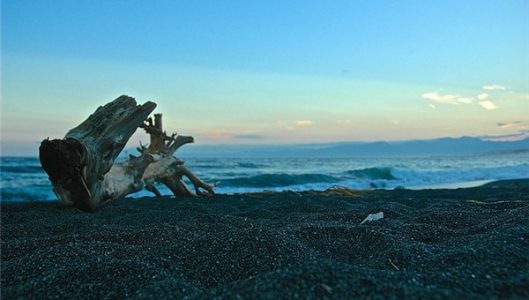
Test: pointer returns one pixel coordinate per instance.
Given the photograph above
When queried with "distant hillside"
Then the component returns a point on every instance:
(444, 146)
(435, 147)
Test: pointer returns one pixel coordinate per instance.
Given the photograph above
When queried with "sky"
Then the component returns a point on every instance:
(268, 72)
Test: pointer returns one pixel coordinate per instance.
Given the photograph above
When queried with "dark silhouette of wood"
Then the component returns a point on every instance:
(81, 165)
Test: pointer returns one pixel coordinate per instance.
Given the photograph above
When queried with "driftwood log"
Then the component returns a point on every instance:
(81, 166)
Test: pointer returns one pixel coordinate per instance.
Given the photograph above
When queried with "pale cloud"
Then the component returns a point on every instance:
(494, 87)
(344, 121)
(217, 134)
(516, 130)
(482, 99)
(303, 123)
(483, 96)
(446, 99)
(518, 136)
(508, 125)
(488, 105)
(517, 125)
(222, 134)
(293, 125)
(249, 136)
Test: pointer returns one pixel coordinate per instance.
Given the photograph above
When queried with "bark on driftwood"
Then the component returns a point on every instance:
(81, 165)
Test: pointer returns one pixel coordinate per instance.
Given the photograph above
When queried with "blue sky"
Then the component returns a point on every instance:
(269, 72)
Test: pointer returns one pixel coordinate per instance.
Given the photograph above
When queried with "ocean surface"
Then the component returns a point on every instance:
(23, 179)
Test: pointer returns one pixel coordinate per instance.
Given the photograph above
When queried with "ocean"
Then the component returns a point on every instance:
(23, 179)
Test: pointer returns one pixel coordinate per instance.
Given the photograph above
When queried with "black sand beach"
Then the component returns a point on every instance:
(463, 243)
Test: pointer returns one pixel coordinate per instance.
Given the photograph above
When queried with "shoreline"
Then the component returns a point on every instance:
(456, 185)
(439, 186)
(443, 243)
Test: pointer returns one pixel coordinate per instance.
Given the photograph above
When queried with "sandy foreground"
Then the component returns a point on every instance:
(469, 243)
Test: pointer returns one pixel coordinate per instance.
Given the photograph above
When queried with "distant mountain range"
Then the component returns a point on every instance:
(435, 147)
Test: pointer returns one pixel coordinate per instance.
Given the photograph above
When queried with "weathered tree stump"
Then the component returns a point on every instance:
(81, 165)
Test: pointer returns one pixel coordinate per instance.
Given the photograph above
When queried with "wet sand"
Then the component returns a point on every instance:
(470, 243)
